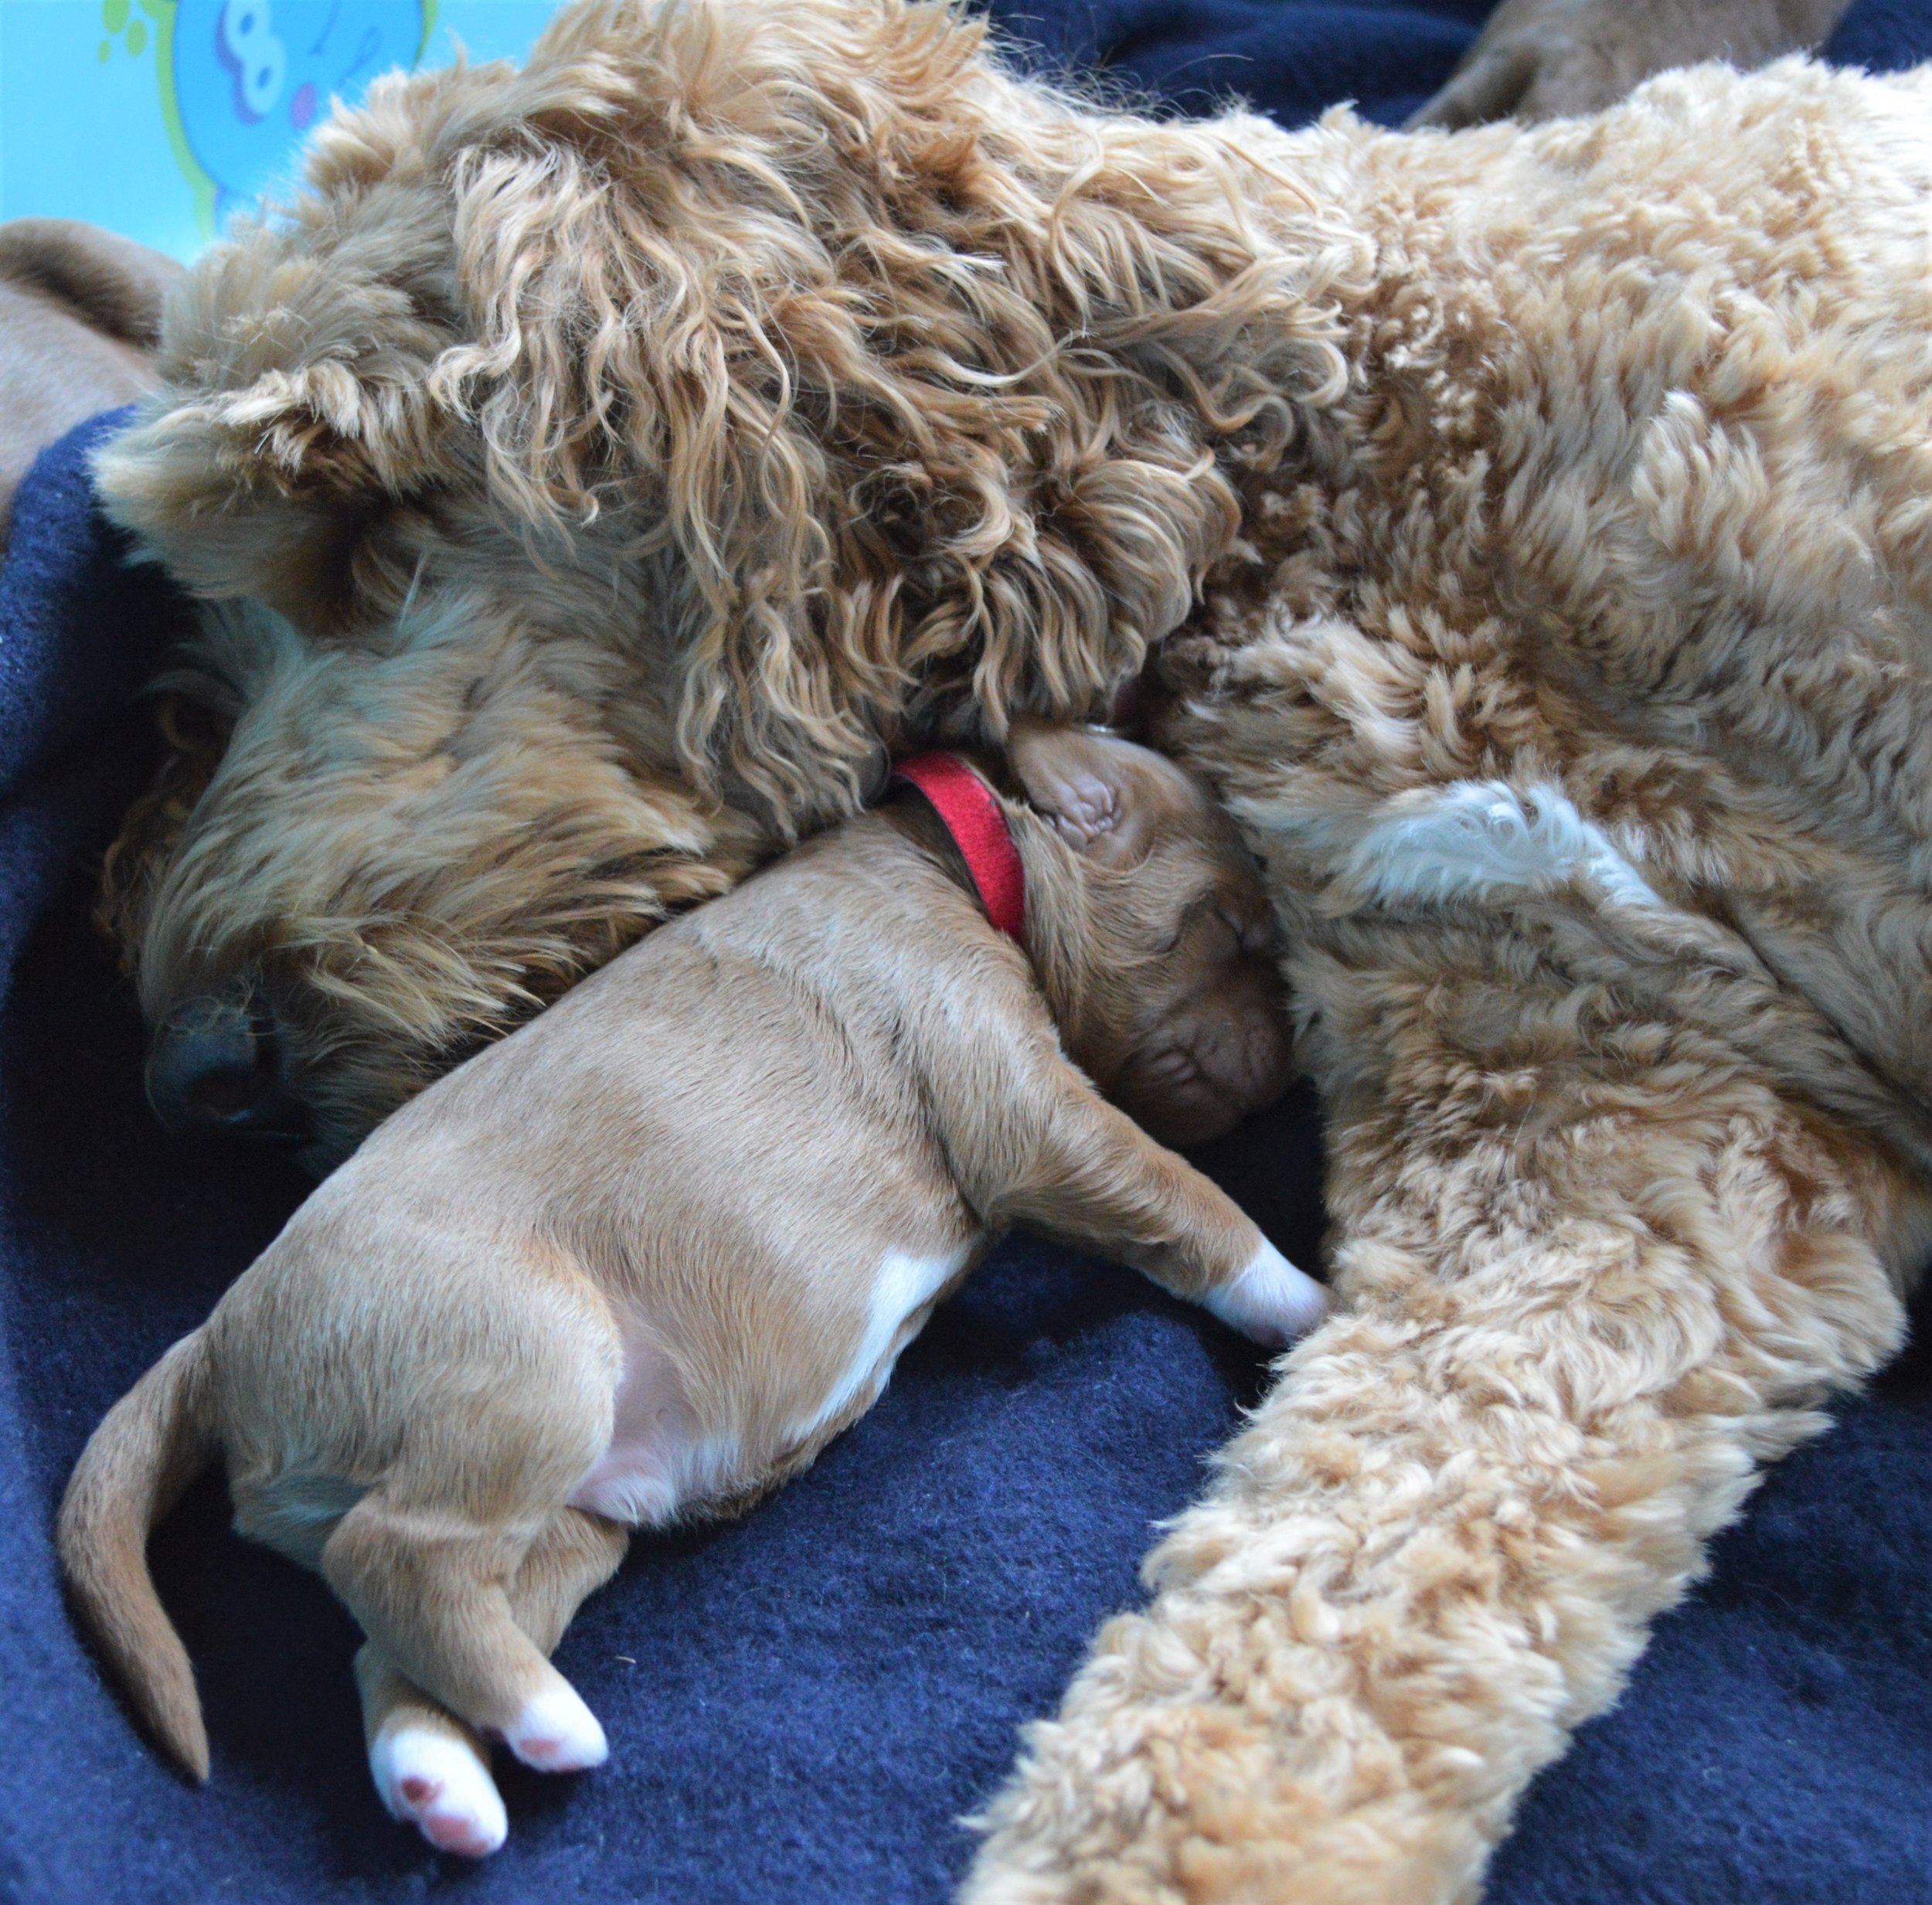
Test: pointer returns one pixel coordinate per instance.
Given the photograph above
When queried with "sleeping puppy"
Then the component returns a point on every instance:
(644, 1258)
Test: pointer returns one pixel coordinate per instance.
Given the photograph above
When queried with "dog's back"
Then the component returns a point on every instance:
(723, 1138)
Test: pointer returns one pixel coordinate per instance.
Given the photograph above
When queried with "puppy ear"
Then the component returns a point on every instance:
(1103, 797)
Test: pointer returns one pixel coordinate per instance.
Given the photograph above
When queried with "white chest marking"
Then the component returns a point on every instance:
(1478, 837)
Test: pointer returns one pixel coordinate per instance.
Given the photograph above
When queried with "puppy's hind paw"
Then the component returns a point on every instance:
(434, 1781)
(556, 1732)
(1269, 1300)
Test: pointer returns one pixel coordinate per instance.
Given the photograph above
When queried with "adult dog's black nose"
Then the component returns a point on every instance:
(215, 1064)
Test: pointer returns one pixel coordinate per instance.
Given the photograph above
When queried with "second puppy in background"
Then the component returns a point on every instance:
(649, 1254)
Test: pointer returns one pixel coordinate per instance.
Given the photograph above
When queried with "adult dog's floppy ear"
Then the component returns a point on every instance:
(1102, 796)
(759, 285)
(628, 358)
(292, 414)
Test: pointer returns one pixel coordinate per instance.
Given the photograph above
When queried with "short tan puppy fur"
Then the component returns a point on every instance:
(644, 1258)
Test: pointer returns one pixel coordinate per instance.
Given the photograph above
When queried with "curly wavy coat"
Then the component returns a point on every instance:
(1528, 531)
(767, 387)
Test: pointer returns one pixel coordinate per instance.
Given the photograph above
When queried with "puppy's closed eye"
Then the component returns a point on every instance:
(1205, 939)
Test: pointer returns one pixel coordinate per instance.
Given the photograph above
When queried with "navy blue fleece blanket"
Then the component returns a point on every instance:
(803, 1704)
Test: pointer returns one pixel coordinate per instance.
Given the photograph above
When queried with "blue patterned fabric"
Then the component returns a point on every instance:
(801, 1704)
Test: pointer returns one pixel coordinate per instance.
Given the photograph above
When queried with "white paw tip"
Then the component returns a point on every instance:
(556, 1732)
(1270, 1300)
(437, 1784)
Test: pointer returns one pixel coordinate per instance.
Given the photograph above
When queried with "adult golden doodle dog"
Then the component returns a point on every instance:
(1529, 531)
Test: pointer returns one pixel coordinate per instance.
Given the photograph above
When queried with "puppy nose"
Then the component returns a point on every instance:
(215, 1064)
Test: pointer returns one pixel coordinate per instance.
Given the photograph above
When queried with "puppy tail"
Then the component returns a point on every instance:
(154, 1441)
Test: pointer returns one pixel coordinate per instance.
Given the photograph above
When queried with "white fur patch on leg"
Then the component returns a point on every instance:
(556, 1732)
(434, 1781)
(1269, 1300)
(1475, 837)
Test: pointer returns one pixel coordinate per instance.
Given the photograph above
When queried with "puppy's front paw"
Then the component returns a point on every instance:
(1270, 1300)
(434, 1781)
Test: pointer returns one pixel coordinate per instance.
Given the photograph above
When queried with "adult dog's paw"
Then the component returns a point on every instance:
(1549, 59)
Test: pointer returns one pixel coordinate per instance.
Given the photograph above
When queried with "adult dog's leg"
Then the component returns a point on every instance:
(1578, 1311)
(429, 1768)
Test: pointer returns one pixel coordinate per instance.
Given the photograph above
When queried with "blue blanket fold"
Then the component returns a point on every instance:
(801, 1704)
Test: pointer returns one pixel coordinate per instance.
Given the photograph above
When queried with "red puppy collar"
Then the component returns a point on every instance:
(966, 806)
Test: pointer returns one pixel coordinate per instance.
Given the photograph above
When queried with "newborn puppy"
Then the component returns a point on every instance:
(645, 1257)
